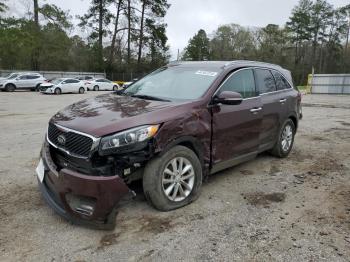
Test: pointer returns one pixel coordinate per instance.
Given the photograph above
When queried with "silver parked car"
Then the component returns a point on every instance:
(31, 81)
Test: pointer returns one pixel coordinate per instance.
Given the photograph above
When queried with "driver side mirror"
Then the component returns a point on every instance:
(228, 98)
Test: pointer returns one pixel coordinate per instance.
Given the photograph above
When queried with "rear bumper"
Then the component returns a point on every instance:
(81, 199)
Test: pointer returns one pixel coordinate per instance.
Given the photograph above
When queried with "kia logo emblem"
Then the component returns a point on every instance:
(61, 139)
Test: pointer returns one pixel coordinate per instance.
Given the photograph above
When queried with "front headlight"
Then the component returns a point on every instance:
(129, 137)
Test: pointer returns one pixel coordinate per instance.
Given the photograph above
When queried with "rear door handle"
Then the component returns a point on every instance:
(255, 110)
(283, 100)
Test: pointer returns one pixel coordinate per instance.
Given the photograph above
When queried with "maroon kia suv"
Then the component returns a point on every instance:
(170, 129)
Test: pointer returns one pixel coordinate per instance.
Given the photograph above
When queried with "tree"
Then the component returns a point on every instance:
(273, 44)
(321, 11)
(98, 19)
(36, 13)
(120, 6)
(198, 47)
(3, 7)
(231, 42)
(299, 28)
(150, 11)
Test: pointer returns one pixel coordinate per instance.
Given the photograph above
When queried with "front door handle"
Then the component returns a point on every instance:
(255, 110)
(283, 100)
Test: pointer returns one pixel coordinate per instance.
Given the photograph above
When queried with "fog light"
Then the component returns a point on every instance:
(80, 204)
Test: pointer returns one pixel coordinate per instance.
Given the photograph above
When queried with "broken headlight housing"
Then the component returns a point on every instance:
(128, 138)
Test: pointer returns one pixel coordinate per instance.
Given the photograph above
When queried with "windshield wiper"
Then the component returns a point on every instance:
(151, 98)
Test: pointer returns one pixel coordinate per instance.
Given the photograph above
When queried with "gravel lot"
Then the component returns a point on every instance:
(294, 209)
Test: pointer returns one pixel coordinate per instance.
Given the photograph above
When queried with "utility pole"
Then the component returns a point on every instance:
(178, 55)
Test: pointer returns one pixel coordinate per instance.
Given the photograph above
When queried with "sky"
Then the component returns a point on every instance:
(186, 17)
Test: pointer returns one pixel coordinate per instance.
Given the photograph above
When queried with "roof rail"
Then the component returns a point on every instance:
(250, 62)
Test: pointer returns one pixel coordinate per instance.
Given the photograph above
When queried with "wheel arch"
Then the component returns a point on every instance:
(190, 142)
(295, 120)
(10, 83)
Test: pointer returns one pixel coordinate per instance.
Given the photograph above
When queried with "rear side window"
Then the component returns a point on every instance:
(241, 82)
(33, 77)
(265, 81)
(70, 81)
(281, 82)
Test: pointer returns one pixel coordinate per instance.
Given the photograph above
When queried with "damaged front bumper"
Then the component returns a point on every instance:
(79, 198)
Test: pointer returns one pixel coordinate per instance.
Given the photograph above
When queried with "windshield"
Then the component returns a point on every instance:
(174, 83)
(56, 81)
(12, 76)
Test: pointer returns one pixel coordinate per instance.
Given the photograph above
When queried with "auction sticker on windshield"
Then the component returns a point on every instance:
(40, 170)
(206, 73)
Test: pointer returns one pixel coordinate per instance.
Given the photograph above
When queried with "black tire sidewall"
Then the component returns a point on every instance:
(59, 91)
(96, 88)
(152, 180)
(81, 92)
(10, 88)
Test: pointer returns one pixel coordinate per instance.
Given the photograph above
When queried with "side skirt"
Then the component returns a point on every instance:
(233, 162)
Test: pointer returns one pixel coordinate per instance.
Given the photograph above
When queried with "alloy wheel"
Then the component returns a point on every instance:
(287, 138)
(178, 179)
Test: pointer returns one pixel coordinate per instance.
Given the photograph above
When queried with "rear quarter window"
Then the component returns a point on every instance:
(281, 82)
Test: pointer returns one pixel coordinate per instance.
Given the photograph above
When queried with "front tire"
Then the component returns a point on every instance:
(115, 88)
(96, 88)
(81, 90)
(173, 179)
(58, 91)
(285, 140)
(10, 87)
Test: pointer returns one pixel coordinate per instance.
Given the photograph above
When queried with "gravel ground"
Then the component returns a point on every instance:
(293, 209)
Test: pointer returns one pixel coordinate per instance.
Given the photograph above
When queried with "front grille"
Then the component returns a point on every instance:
(75, 143)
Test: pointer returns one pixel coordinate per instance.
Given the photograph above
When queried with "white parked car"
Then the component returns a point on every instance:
(63, 85)
(16, 81)
(101, 84)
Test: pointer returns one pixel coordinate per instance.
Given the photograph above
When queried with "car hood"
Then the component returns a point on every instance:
(110, 113)
(47, 84)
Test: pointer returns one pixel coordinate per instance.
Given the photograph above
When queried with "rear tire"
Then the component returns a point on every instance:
(81, 90)
(96, 88)
(10, 87)
(285, 140)
(58, 91)
(115, 88)
(161, 174)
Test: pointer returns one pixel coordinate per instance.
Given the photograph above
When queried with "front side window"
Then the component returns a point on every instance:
(241, 82)
(265, 81)
(281, 82)
(23, 77)
(12, 76)
(175, 83)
